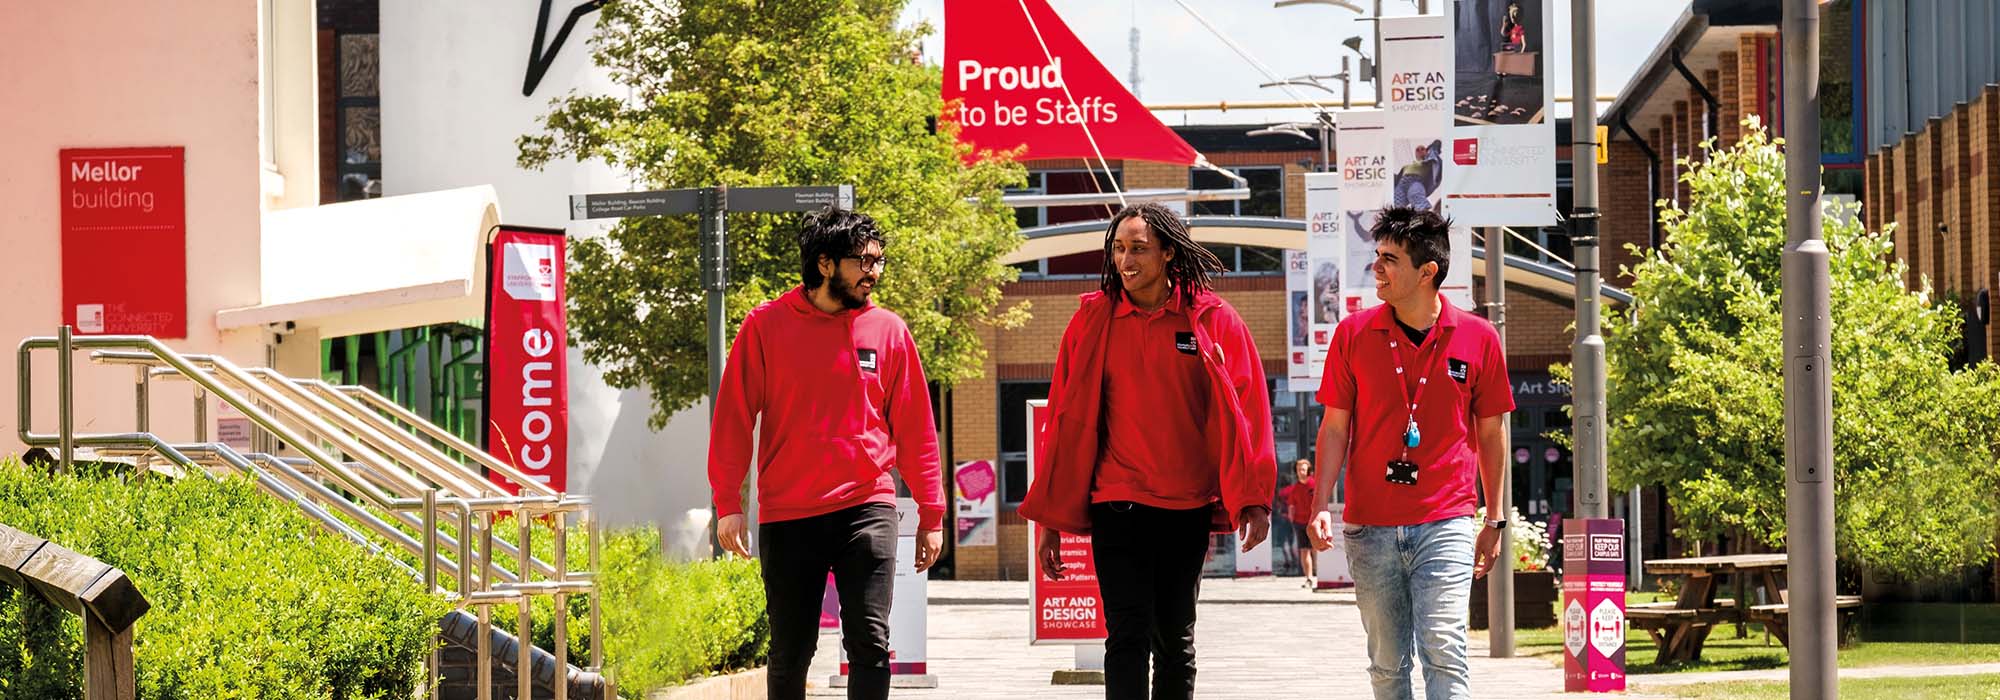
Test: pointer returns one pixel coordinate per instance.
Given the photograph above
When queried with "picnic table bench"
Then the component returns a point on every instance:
(1680, 628)
(1776, 616)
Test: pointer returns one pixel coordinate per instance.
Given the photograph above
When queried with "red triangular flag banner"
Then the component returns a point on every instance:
(1013, 94)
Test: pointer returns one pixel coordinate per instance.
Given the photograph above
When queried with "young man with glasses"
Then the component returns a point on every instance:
(843, 401)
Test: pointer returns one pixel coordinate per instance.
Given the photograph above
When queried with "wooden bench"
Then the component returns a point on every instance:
(1678, 632)
(100, 594)
(1776, 618)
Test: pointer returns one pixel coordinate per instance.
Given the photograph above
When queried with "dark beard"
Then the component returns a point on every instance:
(845, 293)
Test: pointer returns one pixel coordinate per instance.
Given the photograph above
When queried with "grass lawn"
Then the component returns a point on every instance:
(1724, 652)
(1986, 687)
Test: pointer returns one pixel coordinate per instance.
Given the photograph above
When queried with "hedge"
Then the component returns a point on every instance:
(250, 599)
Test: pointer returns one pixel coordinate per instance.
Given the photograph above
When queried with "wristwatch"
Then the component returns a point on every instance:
(1497, 524)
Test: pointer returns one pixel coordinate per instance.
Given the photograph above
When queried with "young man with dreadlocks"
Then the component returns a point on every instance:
(1159, 434)
(843, 400)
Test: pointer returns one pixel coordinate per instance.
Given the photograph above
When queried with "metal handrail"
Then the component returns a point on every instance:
(485, 459)
(369, 435)
(412, 488)
(201, 379)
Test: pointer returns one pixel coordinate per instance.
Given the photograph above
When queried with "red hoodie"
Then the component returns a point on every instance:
(843, 400)
(1239, 420)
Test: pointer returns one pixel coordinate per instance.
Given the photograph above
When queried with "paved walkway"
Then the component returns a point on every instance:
(1781, 674)
(1254, 638)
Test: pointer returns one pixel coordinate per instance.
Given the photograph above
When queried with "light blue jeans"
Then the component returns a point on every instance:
(1412, 584)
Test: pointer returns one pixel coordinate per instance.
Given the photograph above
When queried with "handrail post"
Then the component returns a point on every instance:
(65, 398)
(200, 413)
(142, 385)
(430, 579)
(561, 680)
(484, 674)
(596, 534)
(524, 666)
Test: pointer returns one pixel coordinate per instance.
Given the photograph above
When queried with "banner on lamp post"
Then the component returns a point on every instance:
(1502, 165)
(1313, 284)
(1365, 181)
(527, 355)
(1417, 64)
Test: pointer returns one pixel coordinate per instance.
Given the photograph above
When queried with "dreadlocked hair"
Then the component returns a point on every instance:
(1188, 270)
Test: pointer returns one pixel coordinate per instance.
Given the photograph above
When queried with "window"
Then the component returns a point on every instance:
(1014, 398)
(1267, 192)
(1839, 140)
(1248, 259)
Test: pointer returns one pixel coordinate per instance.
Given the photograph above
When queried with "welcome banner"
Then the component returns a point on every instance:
(527, 355)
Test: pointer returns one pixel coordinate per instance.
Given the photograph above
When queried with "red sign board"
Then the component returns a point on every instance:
(124, 241)
(1593, 605)
(527, 355)
(1068, 610)
(1015, 94)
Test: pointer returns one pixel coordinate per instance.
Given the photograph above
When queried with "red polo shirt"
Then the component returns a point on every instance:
(1467, 378)
(1155, 406)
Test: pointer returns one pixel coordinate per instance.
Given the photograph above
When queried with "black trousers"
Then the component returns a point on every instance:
(859, 546)
(1149, 563)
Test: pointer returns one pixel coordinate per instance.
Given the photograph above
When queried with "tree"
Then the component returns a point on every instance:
(747, 93)
(1696, 385)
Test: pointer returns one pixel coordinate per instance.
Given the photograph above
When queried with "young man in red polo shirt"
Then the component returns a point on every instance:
(1159, 434)
(843, 401)
(1413, 390)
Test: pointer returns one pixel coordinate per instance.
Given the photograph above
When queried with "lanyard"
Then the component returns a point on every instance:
(1412, 436)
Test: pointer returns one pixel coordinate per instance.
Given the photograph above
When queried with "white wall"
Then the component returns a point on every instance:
(452, 109)
(94, 73)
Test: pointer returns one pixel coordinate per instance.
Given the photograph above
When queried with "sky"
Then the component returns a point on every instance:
(1181, 61)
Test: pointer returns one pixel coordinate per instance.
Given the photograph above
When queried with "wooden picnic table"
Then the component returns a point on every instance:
(1681, 628)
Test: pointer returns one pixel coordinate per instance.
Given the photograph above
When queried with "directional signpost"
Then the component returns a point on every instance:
(713, 204)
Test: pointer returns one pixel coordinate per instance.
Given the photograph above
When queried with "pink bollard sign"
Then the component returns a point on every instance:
(1593, 605)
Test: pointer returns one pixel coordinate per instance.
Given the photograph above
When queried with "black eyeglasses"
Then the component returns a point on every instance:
(870, 263)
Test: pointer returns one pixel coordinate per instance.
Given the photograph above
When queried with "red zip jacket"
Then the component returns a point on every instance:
(843, 400)
(1239, 424)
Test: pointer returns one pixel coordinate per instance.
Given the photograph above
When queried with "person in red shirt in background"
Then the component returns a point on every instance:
(843, 401)
(1299, 511)
(1420, 388)
(1159, 434)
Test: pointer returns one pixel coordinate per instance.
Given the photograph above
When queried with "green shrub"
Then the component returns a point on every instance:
(665, 623)
(250, 599)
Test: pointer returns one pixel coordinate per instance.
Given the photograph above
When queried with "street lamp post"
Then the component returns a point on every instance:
(1808, 334)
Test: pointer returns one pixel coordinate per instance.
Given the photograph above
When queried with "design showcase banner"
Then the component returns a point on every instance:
(1364, 187)
(1313, 284)
(1015, 95)
(1066, 611)
(1416, 59)
(1502, 169)
(527, 355)
(124, 240)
